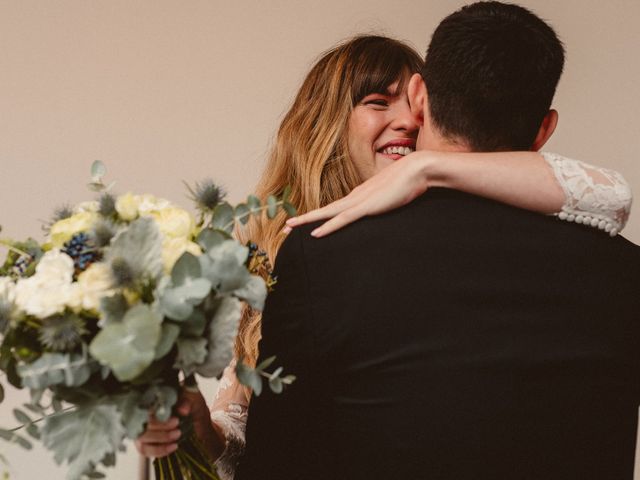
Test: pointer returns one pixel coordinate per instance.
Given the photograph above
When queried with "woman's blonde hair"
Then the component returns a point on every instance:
(310, 152)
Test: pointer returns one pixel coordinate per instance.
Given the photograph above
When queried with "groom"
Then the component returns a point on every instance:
(457, 338)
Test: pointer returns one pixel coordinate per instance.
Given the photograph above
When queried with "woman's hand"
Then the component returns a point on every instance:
(393, 187)
(161, 438)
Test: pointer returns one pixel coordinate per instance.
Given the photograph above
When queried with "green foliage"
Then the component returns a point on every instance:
(191, 353)
(242, 213)
(140, 248)
(224, 266)
(133, 415)
(254, 292)
(252, 377)
(254, 204)
(210, 238)
(70, 369)
(13, 437)
(112, 309)
(160, 399)
(128, 348)
(83, 437)
(195, 324)
(168, 336)
(223, 218)
(272, 206)
(222, 333)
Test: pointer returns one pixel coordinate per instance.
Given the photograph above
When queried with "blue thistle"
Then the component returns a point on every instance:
(82, 251)
(207, 195)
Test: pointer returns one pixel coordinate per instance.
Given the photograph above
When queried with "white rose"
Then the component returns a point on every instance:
(127, 207)
(149, 203)
(93, 284)
(7, 290)
(49, 290)
(173, 248)
(91, 206)
(174, 222)
(63, 230)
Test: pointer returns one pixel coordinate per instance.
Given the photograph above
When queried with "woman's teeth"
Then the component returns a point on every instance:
(398, 150)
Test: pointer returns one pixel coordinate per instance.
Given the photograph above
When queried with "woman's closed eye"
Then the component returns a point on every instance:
(376, 102)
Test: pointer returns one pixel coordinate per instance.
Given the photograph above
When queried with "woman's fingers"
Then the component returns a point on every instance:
(159, 436)
(339, 221)
(323, 213)
(156, 451)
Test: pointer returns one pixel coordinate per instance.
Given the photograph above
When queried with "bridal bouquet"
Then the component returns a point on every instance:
(128, 295)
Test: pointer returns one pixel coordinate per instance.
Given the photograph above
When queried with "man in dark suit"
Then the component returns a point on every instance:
(457, 338)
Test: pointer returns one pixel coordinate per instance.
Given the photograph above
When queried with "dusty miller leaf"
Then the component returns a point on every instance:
(222, 333)
(133, 415)
(83, 437)
(140, 246)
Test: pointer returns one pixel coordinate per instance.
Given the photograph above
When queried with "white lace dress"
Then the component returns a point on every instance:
(594, 196)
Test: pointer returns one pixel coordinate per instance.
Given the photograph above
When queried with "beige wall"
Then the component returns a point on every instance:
(164, 91)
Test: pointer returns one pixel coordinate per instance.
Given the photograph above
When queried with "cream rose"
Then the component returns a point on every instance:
(63, 230)
(174, 222)
(127, 207)
(49, 290)
(93, 284)
(173, 248)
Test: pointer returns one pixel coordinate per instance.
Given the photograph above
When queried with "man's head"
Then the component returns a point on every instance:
(491, 71)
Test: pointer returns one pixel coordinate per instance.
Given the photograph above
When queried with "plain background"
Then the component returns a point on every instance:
(164, 91)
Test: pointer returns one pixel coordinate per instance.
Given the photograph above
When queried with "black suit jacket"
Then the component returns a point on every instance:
(454, 338)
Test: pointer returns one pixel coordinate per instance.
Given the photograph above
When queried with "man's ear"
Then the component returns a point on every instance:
(417, 94)
(547, 127)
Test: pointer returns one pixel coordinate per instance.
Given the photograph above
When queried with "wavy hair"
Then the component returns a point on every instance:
(310, 152)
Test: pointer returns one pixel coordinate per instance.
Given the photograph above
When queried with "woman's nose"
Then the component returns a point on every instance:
(404, 119)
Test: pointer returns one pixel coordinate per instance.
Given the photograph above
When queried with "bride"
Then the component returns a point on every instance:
(346, 149)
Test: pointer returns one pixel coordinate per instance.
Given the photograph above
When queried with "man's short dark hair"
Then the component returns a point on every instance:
(491, 71)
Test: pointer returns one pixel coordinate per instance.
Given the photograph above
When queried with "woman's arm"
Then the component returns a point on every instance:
(229, 418)
(528, 180)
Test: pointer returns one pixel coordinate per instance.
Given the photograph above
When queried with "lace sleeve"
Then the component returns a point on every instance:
(229, 413)
(594, 196)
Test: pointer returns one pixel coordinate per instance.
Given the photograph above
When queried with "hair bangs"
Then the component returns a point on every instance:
(378, 68)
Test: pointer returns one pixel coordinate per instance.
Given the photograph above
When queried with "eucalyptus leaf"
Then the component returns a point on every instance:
(286, 193)
(174, 305)
(222, 333)
(56, 404)
(272, 206)
(159, 399)
(37, 409)
(290, 209)
(95, 475)
(191, 353)
(225, 267)
(195, 324)
(275, 384)
(21, 417)
(128, 348)
(276, 372)
(186, 268)
(170, 332)
(223, 217)
(253, 203)
(242, 213)
(50, 369)
(83, 437)
(33, 431)
(15, 438)
(266, 363)
(249, 377)
(98, 169)
(209, 238)
(254, 292)
(132, 414)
